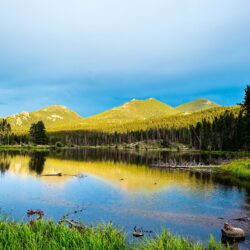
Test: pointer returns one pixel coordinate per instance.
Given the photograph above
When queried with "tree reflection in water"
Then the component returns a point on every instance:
(37, 162)
(4, 166)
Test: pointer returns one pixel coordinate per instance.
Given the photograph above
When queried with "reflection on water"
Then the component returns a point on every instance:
(148, 158)
(4, 166)
(37, 162)
(124, 188)
(125, 176)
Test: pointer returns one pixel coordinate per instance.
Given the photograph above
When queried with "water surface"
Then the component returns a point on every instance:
(124, 188)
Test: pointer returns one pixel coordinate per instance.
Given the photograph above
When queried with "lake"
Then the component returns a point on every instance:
(125, 188)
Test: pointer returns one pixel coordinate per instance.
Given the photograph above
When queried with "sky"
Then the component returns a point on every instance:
(92, 55)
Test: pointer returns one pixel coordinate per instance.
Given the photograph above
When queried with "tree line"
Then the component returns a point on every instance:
(228, 131)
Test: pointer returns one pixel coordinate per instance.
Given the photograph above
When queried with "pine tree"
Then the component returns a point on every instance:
(246, 111)
(38, 133)
(5, 130)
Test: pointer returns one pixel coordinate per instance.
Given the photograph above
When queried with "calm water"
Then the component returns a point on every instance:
(124, 188)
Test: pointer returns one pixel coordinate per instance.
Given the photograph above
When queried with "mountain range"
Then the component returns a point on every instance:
(58, 118)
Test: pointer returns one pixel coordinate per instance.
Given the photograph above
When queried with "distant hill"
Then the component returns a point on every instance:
(52, 116)
(135, 110)
(179, 120)
(197, 105)
(133, 115)
(176, 121)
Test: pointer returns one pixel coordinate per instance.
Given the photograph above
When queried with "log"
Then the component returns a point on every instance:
(73, 223)
(58, 174)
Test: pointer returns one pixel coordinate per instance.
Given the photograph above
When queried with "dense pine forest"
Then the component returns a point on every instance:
(227, 130)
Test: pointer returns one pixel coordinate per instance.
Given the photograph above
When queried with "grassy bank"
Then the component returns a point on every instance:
(49, 235)
(140, 145)
(238, 168)
(24, 147)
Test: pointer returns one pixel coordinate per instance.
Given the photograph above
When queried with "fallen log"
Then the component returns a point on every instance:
(58, 174)
(61, 174)
(244, 219)
(73, 224)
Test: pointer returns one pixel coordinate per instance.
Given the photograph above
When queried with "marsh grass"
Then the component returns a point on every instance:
(238, 168)
(50, 235)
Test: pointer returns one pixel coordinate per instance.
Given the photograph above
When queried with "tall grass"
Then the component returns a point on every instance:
(239, 168)
(167, 241)
(48, 235)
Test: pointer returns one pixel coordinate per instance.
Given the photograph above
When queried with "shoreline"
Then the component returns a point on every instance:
(121, 148)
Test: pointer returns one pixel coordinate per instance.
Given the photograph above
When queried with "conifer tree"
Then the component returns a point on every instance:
(246, 111)
(38, 133)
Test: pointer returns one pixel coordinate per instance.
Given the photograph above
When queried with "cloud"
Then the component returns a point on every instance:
(92, 54)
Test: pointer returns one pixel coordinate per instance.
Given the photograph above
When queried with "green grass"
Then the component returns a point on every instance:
(49, 235)
(238, 168)
(167, 241)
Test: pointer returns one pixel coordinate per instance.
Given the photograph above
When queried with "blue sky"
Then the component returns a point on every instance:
(92, 55)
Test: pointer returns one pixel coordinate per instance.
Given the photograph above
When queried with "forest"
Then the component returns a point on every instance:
(229, 130)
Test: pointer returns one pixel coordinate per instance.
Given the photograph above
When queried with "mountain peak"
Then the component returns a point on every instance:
(197, 105)
(53, 116)
(55, 107)
(137, 110)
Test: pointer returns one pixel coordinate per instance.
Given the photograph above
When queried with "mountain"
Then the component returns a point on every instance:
(135, 110)
(197, 105)
(53, 116)
(132, 115)
(176, 121)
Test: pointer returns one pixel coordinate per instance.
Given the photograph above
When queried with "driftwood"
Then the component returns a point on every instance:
(244, 219)
(71, 213)
(58, 174)
(230, 232)
(73, 224)
(169, 165)
(37, 212)
(61, 174)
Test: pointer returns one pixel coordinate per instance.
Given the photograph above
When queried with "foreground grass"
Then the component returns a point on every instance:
(238, 168)
(49, 235)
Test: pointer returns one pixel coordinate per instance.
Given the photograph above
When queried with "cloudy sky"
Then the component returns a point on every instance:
(91, 55)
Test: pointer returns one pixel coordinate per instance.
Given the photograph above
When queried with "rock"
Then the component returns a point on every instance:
(230, 232)
(138, 232)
